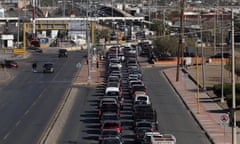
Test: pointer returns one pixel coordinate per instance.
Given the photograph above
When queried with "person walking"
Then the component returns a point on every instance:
(34, 67)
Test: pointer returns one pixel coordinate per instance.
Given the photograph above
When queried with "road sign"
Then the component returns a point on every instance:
(224, 118)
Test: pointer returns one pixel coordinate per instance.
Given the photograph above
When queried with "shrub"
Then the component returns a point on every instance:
(229, 100)
(227, 92)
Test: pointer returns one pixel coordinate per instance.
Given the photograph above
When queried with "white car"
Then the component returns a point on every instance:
(142, 97)
(113, 91)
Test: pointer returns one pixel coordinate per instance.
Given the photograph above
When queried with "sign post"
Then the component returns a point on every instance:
(224, 120)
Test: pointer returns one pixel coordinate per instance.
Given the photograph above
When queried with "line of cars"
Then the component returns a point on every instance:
(111, 104)
(124, 84)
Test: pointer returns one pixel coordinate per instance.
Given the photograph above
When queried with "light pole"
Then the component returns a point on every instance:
(202, 51)
(88, 43)
(234, 129)
(222, 66)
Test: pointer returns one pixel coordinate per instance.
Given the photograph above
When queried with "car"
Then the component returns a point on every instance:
(107, 100)
(62, 53)
(141, 97)
(10, 64)
(139, 134)
(219, 55)
(134, 82)
(112, 78)
(107, 133)
(113, 91)
(113, 84)
(144, 124)
(112, 124)
(48, 67)
(118, 98)
(112, 140)
(108, 116)
(137, 87)
(109, 107)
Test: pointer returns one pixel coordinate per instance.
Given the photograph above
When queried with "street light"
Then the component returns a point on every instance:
(88, 42)
(234, 130)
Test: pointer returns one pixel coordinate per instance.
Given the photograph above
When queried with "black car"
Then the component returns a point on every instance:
(219, 55)
(62, 53)
(10, 63)
(139, 134)
(48, 67)
(108, 133)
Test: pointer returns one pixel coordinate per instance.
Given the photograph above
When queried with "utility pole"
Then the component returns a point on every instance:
(181, 39)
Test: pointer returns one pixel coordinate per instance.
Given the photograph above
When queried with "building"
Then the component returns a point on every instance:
(15, 3)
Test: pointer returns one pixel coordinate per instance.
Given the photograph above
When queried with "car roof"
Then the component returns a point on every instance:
(112, 121)
(112, 89)
(109, 113)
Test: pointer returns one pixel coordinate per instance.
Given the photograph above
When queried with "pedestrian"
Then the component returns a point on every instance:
(97, 64)
(34, 67)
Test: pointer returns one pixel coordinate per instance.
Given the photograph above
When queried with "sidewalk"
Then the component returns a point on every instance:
(95, 74)
(206, 111)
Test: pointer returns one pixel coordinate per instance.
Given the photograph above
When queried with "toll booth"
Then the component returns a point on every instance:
(7, 40)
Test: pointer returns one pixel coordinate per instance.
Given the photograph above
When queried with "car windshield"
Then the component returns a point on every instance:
(111, 125)
(141, 98)
(110, 117)
(112, 93)
(110, 133)
(144, 125)
(111, 141)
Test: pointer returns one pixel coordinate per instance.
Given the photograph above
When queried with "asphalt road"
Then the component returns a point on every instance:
(28, 101)
(174, 118)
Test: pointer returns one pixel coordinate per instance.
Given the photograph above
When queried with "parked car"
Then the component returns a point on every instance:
(219, 55)
(10, 63)
(48, 67)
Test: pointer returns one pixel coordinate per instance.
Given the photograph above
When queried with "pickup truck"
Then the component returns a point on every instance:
(158, 138)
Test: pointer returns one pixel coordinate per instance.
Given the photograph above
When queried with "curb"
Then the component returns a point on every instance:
(193, 115)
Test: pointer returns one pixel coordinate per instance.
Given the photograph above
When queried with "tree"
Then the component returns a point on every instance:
(166, 45)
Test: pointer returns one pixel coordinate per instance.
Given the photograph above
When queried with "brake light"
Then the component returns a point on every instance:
(99, 113)
(137, 135)
(119, 130)
(151, 129)
(118, 112)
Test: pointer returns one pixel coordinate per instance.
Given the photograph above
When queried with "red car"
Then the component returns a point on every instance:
(112, 124)
(10, 64)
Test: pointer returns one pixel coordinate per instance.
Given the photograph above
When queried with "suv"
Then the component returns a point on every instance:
(48, 67)
(62, 53)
